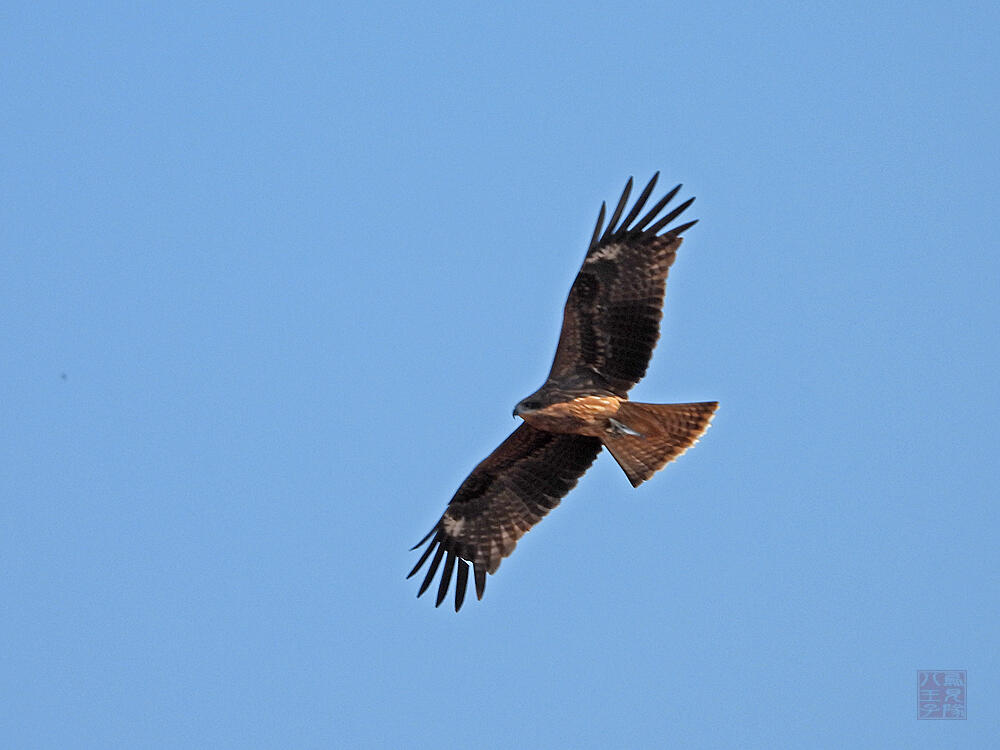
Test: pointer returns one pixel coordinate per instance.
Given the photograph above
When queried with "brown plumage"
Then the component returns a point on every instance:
(611, 323)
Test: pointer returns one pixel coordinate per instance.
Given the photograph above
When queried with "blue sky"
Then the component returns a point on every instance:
(272, 279)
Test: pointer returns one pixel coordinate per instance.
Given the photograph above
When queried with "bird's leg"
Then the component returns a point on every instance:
(617, 428)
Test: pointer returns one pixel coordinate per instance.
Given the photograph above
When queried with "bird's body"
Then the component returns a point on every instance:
(582, 415)
(610, 326)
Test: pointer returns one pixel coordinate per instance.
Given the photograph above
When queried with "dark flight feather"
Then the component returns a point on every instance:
(600, 224)
(656, 209)
(611, 321)
(508, 493)
(618, 211)
(640, 201)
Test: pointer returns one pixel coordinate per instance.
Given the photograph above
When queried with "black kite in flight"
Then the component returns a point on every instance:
(610, 325)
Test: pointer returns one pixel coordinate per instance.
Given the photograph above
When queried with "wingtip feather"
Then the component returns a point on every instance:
(420, 543)
(677, 231)
(639, 202)
(431, 570)
(600, 224)
(659, 206)
(461, 581)
(670, 216)
(449, 566)
(422, 560)
(618, 210)
(480, 574)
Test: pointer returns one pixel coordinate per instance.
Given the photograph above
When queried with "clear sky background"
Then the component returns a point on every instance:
(273, 277)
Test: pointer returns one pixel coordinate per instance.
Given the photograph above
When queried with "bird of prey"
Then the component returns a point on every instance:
(611, 323)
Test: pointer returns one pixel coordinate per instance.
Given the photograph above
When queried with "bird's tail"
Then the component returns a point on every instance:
(645, 437)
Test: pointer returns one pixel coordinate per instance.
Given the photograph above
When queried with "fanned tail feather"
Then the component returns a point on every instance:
(652, 435)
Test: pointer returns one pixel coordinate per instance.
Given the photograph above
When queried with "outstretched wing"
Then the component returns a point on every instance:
(504, 496)
(612, 317)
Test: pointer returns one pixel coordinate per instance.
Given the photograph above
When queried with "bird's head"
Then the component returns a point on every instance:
(543, 397)
(528, 405)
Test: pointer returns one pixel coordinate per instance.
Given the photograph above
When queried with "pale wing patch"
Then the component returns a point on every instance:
(452, 526)
(607, 252)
